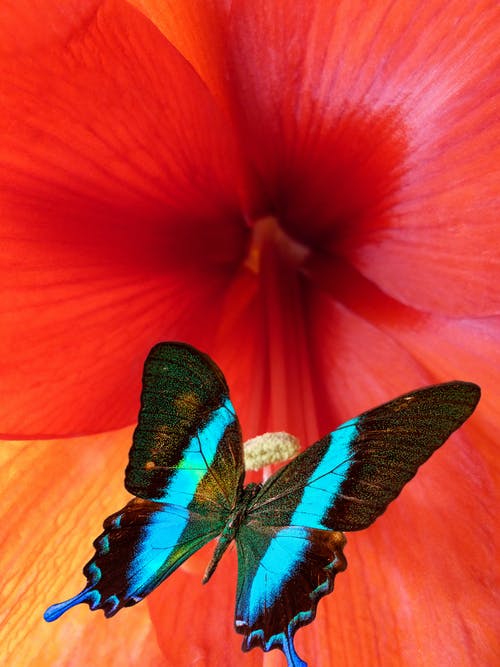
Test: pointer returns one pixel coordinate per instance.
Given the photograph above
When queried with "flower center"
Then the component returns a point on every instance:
(282, 371)
(267, 234)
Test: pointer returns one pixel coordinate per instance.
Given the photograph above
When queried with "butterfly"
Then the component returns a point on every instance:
(186, 472)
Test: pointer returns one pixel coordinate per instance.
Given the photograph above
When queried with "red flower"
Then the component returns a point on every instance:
(302, 189)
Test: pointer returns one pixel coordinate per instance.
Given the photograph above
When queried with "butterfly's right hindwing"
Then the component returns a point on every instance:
(282, 574)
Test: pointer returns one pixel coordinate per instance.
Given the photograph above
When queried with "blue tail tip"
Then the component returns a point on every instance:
(288, 648)
(58, 609)
(54, 611)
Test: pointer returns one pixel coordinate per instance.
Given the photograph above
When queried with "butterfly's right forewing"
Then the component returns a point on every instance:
(347, 479)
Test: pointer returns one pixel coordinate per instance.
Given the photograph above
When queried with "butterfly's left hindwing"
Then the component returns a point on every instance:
(141, 545)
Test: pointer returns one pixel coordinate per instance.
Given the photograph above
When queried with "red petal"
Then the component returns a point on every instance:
(56, 495)
(23, 31)
(200, 628)
(437, 250)
(373, 130)
(197, 30)
(358, 366)
(121, 220)
(417, 587)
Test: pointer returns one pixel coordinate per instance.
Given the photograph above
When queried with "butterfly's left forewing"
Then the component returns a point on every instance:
(290, 548)
(188, 438)
(186, 467)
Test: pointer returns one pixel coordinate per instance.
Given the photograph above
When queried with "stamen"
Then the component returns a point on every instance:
(270, 448)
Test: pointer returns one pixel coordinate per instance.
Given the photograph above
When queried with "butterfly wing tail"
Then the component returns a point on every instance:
(288, 648)
(89, 595)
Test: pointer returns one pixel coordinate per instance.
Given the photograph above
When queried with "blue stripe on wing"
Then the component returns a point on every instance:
(157, 541)
(276, 566)
(326, 479)
(198, 457)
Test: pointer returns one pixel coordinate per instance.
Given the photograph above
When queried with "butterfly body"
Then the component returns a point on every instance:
(186, 472)
(230, 531)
